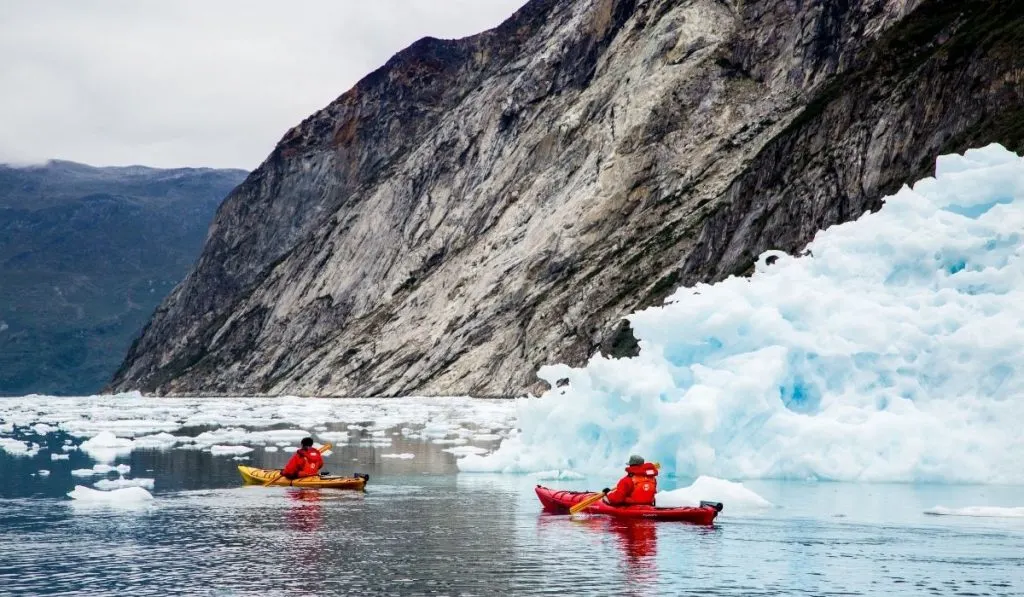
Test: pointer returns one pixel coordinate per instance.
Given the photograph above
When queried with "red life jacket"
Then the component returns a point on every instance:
(306, 462)
(637, 487)
(314, 462)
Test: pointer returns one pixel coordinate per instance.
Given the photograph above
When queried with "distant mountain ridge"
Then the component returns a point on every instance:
(86, 254)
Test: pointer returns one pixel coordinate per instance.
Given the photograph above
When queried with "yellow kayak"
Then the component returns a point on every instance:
(261, 475)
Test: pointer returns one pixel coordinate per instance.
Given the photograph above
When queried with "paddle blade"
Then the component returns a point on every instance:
(586, 503)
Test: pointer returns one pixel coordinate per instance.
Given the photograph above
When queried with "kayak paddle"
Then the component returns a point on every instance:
(322, 449)
(587, 502)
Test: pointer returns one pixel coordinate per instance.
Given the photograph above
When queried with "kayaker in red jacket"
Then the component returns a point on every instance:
(306, 462)
(637, 487)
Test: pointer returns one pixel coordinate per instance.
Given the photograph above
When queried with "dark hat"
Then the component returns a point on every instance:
(307, 442)
(635, 460)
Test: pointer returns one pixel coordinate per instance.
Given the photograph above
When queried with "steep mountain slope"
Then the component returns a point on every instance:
(479, 207)
(86, 254)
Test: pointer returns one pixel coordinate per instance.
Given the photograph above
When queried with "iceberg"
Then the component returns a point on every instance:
(891, 350)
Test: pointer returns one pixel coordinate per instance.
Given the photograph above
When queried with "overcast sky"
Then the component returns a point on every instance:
(195, 82)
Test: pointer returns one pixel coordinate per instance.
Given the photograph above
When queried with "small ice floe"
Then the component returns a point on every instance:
(42, 428)
(229, 450)
(979, 511)
(271, 449)
(402, 456)
(121, 483)
(458, 441)
(466, 450)
(734, 495)
(18, 448)
(101, 469)
(158, 441)
(240, 458)
(43, 473)
(127, 496)
(332, 436)
(485, 437)
(106, 447)
(59, 456)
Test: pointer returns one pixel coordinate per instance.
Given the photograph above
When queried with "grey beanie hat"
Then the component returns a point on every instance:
(635, 460)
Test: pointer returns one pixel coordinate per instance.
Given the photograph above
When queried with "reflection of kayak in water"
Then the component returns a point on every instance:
(261, 476)
(559, 502)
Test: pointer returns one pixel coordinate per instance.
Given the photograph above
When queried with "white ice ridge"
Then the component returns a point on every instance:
(983, 511)
(892, 351)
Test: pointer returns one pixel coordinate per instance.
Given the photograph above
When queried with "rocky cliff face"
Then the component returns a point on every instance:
(477, 208)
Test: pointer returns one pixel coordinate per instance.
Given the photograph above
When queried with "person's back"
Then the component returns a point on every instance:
(306, 462)
(638, 487)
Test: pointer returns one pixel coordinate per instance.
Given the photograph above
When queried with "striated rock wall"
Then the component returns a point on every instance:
(479, 207)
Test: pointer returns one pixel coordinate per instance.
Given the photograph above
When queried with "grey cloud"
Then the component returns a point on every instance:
(191, 83)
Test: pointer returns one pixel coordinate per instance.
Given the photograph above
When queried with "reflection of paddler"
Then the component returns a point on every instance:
(638, 538)
(305, 514)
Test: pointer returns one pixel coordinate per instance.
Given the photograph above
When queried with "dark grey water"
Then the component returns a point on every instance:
(423, 529)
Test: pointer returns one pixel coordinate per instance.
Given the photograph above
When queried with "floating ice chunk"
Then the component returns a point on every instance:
(18, 448)
(7, 427)
(240, 458)
(121, 483)
(42, 428)
(982, 511)
(379, 442)
(101, 469)
(44, 473)
(559, 475)
(96, 424)
(486, 437)
(332, 436)
(271, 449)
(68, 448)
(456, 441)
(158, 441)
(465, 450)
(229, 450)
(437, 430)
(59, 456)
(403, 456)
(128, 495)
(106, 447)
(733, 495)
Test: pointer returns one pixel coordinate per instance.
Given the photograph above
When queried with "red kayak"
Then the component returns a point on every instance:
(558, 502)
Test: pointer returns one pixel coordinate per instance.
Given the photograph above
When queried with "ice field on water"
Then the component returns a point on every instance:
(856, 409)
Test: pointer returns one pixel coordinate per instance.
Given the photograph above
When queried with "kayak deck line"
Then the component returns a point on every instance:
(252, 475)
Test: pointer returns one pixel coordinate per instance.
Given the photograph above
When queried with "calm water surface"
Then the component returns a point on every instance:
(421, 528)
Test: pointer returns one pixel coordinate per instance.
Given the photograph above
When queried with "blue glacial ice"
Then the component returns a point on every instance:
(891, 352)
